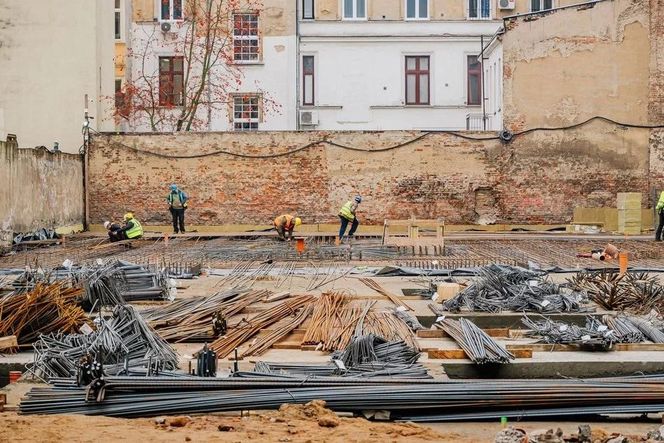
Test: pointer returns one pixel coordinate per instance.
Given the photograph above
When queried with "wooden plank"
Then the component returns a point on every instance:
(8, 342)
(452, 354)
(3, 401)
(545, 347)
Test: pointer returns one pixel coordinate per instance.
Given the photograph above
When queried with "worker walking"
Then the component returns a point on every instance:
(285, 224)
(177, 203)
(660, 212)
(347, 215)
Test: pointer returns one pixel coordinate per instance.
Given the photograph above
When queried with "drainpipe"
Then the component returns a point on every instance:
(297, 65)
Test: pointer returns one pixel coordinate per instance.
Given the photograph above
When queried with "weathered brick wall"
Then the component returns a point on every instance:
(538, 178)
(40, 189)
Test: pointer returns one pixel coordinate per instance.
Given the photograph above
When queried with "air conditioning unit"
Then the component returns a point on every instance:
(166, 27)
(506, 4)
(308, 118)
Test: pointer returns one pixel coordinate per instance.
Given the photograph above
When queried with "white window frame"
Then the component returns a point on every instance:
(313, 9)
(354, 15)
(314, 81)
(256, 37)
(417, 11)
(249, 120)
(479, 10)
(530, 5)
(171, 8)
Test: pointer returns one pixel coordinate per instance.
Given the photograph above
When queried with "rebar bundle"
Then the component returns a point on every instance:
(549, 331)
(477, 345)
(373, 284)
(635, 292)
(374, 369)
(121, 342)
(404, 399)
(252, 326)
(371, 348)
(624, 330)
(506, 288)
(42, 310)
(192, 318)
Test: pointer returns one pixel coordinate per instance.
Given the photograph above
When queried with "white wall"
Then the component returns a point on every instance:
(360, 78)
(50, 57)
(493, 84)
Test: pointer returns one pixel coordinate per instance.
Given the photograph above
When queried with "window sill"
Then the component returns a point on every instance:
(463, 106)
(248, 63)
(308, 107)
(345, 19)
(417, 19)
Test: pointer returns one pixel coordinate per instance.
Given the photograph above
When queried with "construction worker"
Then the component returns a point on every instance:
(660, 212)
(177, 203)
(113, 231)
(284, 224)
(131, 229)
(347, 215)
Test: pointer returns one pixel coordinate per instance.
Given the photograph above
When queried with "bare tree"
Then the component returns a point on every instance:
(179, 92)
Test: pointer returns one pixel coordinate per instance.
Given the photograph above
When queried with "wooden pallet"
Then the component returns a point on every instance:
(456, 354)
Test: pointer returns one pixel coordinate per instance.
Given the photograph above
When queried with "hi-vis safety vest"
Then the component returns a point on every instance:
(346, 211)
(136, 230)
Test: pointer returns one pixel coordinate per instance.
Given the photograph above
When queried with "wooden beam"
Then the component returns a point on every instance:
(8, 342)
(453, 354)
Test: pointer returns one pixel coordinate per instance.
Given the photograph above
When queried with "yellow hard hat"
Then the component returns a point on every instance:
(129, 216)
(298, 221)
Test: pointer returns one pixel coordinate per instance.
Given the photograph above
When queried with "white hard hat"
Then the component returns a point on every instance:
(107, 224)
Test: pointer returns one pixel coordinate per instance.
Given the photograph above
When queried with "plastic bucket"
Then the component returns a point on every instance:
(14, 376)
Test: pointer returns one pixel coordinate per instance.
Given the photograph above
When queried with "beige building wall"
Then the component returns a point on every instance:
(52, 53)
(576, 63)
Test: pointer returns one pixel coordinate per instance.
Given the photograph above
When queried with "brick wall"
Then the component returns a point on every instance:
(538, 178)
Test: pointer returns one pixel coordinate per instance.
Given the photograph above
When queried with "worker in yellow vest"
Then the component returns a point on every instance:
(347, 215)
(285, 224)
(132, 227)
(660, 212)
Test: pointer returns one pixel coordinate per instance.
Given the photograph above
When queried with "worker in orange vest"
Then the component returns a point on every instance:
(285, 224)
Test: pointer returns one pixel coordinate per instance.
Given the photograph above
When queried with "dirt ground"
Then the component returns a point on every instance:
(292, 423)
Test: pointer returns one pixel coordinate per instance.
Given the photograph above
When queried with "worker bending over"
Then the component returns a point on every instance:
(177, 203)
(347, 215)
(114, 231)
(285, 224)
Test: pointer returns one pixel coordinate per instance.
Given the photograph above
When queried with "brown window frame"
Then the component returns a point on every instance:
(311, 74)
(167, 89)
(474, 72)
(418, 73)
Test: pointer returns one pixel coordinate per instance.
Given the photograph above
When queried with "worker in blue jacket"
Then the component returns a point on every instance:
(177, 203)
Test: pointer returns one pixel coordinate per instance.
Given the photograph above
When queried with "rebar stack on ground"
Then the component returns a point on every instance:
(635, 292)
(506, 288)
(416, 400)
(371, 348)
(624, 330)
(327, 317)
(409, 318)
(252, 326)
(280, 330)
(549, 331)
(651, 332)
(477, 345)
(121, 342)
(192, 318)
(42, 310)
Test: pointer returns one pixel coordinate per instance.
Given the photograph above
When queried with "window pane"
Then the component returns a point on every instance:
(473, 63)
(308, 9)
(165, 9)
(361, 9)
(164, 64)
(472, 8)
(177, 64)
(424, 89)
(410, 63)
(410, 88)
(548, 4)
(117, 25)
(177, 9)
(177, 89)
(410, 8)
(534, 5)
(424, 12)
(308, 64)
(117, 4)
(308, 98)
(474, 90)
(348, 8)
(486, 8)
(424, 63)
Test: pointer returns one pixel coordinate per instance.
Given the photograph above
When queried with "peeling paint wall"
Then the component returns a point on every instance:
(573, 64)
(39, 188)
